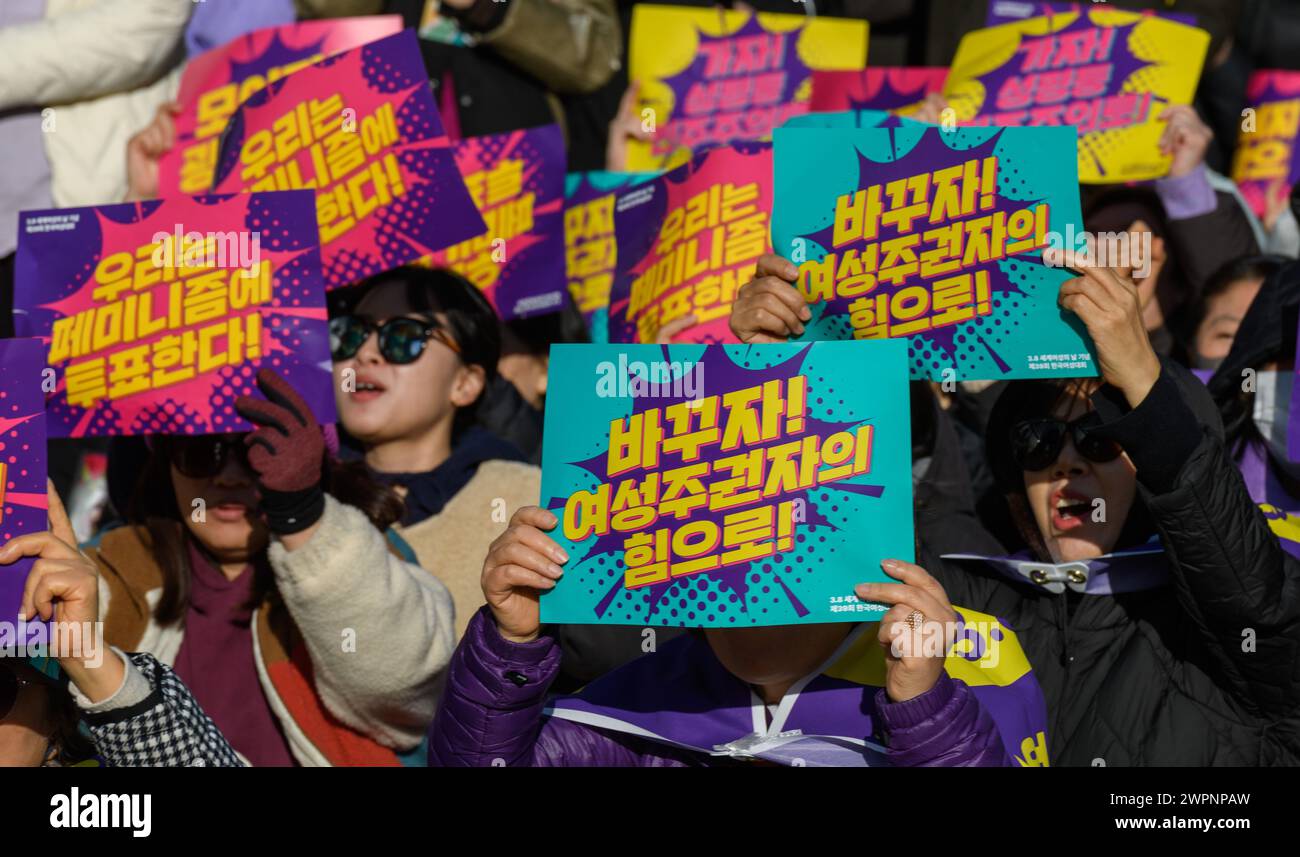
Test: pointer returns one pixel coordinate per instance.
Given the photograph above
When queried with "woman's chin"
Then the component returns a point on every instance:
(1069, 548)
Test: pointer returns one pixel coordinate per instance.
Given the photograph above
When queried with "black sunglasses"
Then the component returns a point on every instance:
(204, 456)
(1035, 444)
(401, 339)
(11, 684)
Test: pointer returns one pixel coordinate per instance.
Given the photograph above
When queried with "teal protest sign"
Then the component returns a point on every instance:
(937, 236)
(726, 485)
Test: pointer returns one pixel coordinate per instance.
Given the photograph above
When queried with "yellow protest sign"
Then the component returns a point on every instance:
(713, 76)
(1109, 73)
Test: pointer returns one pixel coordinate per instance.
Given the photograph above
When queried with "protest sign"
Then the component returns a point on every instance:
(590, 247)
(517, 183)
(360, 128)
(157, 315)
(1107, 72)
(726, 485)
(215, 83)
(936, 236)
(1265, 160)
(877, 88)
(23, 498)
(1003, 11)
(687, 241)
(710, 76)
(847, 119)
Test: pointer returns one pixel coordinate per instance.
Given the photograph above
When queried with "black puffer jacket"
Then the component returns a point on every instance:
(1168, 676)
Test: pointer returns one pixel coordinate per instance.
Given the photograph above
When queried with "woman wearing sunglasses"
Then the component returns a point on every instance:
(1157, 610)
(413, 351)
(257, 566)
(84, 706)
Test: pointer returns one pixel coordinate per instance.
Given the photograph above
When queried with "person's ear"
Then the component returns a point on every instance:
(468, 385)
(545, 373)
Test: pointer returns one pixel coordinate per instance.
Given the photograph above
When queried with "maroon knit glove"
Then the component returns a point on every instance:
(287, 449)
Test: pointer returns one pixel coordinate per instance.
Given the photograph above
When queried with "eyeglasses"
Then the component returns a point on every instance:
(401, 339)
(204, 456)
(11, 684)
(1035, 444)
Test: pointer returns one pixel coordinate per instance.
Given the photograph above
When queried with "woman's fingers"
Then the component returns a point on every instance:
(772, 265)
(60, 525)
(517, 576)
(43, 544)
(526, 557)
(914, 575)
(914, 597)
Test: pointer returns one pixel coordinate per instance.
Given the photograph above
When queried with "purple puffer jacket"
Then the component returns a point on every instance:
(492, 714)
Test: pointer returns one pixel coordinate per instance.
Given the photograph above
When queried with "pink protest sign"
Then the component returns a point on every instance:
(23, 501)
(157, 315)
(877, 88)
(1266, 147)
(687, 241)
(215, 83)
(517, 183)
(361, 128)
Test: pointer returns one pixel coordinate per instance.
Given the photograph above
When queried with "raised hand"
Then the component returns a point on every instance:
(916, 632)
(522, 563)
(769, 308)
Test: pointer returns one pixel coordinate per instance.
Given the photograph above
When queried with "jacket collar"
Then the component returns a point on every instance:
(1130, 570)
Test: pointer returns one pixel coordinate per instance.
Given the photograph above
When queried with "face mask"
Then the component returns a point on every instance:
(1272, 406)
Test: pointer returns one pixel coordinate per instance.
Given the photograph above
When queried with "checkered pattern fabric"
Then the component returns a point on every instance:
(167, 729)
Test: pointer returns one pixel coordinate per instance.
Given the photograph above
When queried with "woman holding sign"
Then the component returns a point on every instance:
(257, 566)
(715, 697)
(1155, 605)
(135, 711)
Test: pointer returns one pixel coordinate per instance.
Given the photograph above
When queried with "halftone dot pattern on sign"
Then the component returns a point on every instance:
(824, 401)
(417, 119)
(169, 417)
(231, 383)
(400, 221)
(274, 232)
(384, 76)
(294, 280)
(348, 266)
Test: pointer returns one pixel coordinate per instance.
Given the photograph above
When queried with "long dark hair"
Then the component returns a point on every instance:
(69, 742)
(153, 508)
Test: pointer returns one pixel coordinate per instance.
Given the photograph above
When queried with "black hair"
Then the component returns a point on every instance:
(1029, 399)
(1259, 267)
(154, 510)
(471, 318)
(538, 333)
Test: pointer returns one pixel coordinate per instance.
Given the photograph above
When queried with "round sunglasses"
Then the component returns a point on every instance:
(11, 685)
(1036, 444)
(401, 340)
(204, 456)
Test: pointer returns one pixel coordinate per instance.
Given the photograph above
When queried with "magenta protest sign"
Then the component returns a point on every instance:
(23, 501)
(215, 83)
(1265, 165)
(876, 88)
(687, 241)
(517, 182)
(157, 315)
(360, 128)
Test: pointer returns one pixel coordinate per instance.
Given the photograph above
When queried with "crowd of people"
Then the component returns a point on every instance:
(367, 592)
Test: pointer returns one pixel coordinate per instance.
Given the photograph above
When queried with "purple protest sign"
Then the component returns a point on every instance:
(516, 180)
(23, 499)
(158, 314)
(362, 129)
(1002, 11)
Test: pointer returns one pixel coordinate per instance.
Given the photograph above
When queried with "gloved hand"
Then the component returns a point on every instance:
(287, 450)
